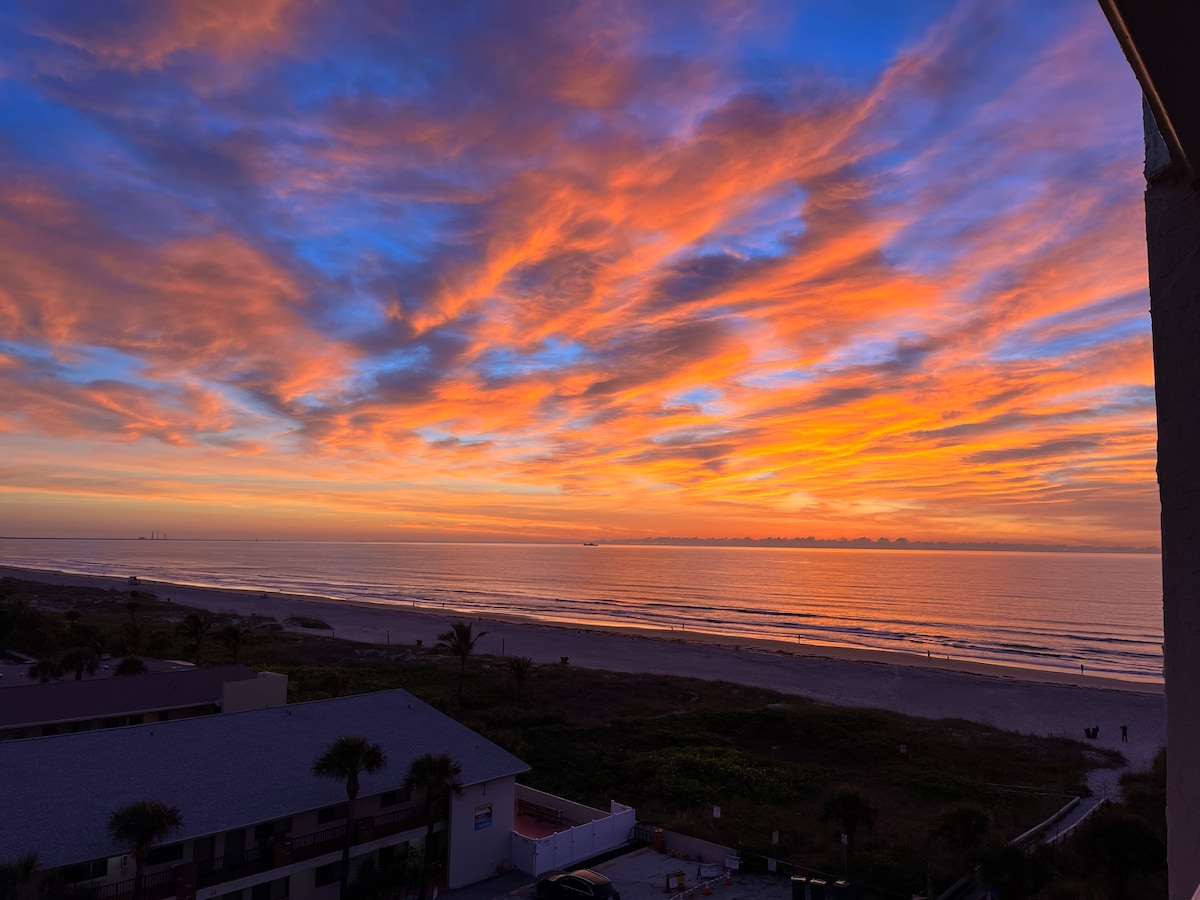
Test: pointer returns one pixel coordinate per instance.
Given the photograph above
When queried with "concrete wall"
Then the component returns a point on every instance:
(268, 689)
(481, 823)
(698, 849)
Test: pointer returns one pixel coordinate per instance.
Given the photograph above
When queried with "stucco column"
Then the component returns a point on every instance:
(1173, 241)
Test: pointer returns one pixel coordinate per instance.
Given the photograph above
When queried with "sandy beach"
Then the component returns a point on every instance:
(1024, 700)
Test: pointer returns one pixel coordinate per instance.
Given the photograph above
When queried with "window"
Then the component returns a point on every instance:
(265, 831)
(170, 853)
(97, 868)
(336, 813)
(204, 848)
(270, 890)
(328, 874)
(392, 798)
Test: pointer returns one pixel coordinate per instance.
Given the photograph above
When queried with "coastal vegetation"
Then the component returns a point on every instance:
(931, 799)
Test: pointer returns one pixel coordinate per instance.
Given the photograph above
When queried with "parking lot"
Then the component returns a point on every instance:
(640, 875)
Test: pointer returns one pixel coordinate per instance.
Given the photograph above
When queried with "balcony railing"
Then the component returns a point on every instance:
(395, 822)
(318, 843)
(262, 858)
(236, 865)
(158, 886)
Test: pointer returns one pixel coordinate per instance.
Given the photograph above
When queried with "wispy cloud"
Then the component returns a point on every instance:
(539, 270)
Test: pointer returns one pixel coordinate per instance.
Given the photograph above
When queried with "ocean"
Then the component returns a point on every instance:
(1050, 611)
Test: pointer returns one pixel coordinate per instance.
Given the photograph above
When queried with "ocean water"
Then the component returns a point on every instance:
(1052, 611)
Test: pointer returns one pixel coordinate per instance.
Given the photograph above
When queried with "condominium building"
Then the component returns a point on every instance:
(257, 824)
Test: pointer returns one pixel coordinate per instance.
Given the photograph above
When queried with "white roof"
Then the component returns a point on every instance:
(224, 771)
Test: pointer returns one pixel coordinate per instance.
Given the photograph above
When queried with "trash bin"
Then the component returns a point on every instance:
(816, 889)
(841, 890)
(799, 887)
(659, 842)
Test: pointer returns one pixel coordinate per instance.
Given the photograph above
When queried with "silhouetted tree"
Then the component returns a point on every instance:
(46, 669)
(519, 668)
(235, 637)
(143, 824)
(851, 808)
(1121, 845)
(135, 634)
(346, 758)
(194, 627)
(131, 665)
(438, 776)
(461, 642)
(15, 876)
(80, 660)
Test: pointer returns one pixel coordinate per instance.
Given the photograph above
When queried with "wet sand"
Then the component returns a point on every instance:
(1025, 700)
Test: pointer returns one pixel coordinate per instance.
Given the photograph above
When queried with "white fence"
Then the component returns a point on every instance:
(591, 833)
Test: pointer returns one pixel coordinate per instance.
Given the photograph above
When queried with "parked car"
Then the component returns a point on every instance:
(582, 884)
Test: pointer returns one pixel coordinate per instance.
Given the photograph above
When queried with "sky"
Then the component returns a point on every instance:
(572, 271)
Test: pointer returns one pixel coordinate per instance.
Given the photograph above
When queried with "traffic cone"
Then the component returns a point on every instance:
(707, 891)
(728, 877)
(667, 885)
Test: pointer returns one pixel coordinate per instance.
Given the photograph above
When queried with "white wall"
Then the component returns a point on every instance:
(595, 833)
(477, 849)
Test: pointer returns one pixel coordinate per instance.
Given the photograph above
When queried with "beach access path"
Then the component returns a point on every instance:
(1050, 704)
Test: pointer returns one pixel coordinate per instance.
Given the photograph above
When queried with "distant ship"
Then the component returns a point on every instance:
(590, 544)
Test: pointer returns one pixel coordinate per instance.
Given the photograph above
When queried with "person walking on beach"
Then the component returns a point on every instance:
(1125, 734)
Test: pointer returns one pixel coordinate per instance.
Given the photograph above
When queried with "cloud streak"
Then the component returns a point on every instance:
(589, 269)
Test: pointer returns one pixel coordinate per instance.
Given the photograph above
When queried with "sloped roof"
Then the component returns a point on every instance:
(225, 771)
(68, 701)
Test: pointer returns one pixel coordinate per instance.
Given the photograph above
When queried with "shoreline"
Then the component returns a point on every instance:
(1030, 701)
(411, 623)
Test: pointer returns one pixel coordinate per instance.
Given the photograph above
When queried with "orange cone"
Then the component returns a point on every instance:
(707, 892)
(728, 877)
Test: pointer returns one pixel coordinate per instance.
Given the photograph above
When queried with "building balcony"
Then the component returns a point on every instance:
(257, 860)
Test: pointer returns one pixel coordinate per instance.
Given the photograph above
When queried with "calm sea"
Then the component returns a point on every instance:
(1037, 610)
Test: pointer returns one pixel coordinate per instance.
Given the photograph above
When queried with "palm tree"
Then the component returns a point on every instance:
(438, 775)
(519, 668)
(80, 660)
(235, 637)
(459, 641)
(346, 758)
(45, 669)
(143, 824)
(15, 875)
(195, 626)
(135, 634)
(851, 807)
(131, 665)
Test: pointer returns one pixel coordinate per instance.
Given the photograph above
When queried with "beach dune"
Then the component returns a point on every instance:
(1025, 700)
